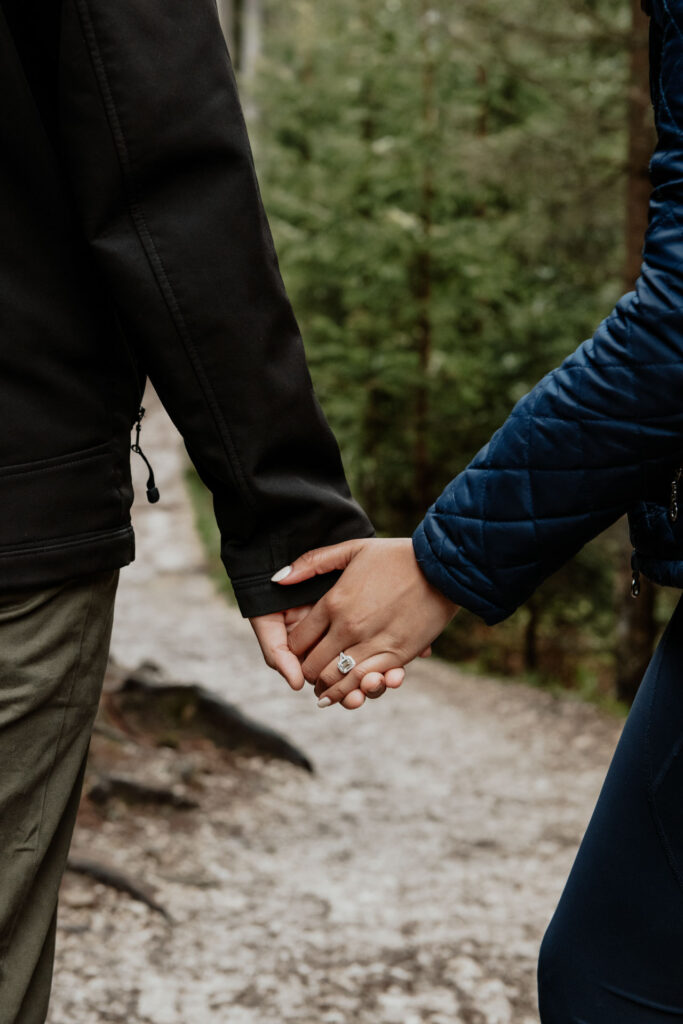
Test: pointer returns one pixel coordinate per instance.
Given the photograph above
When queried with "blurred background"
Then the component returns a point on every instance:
(458, 194)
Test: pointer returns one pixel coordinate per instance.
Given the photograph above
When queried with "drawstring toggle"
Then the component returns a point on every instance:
(152, 489)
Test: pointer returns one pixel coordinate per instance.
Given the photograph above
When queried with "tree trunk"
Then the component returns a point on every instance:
(227, 17)
(636, 627)
(252, 37)
(641, 142)
(531, 636)
(250, 51)
(483, 115)
(423, 276)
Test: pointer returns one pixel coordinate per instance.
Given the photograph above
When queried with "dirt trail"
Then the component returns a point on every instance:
(408, 881)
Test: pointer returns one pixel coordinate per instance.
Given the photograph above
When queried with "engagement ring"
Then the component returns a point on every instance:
(345, 663)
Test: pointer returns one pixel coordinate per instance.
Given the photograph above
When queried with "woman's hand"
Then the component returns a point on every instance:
(382, 612)
(272, 632)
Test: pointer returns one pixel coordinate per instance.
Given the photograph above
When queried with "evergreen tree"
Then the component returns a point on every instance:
(446, 185)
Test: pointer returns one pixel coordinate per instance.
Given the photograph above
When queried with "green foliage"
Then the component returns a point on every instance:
(402, 140)
(445, 184)
(205, 522)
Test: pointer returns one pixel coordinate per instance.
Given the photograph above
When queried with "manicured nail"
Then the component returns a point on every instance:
(281, 574)
(324, 702)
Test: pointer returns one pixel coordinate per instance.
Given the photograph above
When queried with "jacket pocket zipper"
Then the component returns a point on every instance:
(152, 489)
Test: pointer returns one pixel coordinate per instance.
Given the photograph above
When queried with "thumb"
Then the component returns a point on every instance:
(319, 561)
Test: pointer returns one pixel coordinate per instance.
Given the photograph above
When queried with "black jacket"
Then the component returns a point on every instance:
(133, 243)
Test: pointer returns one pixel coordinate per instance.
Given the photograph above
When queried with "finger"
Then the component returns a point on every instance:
(271, 633)
(376, 694)
(289, 667)
(373, 685)
(317, 562)
(322, 664)
(355, 700)
(324, 650)
(394, 678)
(294, 615)
(379, 663)
(310, 630)
(427, 653)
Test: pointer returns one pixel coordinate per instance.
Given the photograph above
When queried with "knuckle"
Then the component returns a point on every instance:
(356, 676)
(348, 626)
(325, 680)
(307, 672)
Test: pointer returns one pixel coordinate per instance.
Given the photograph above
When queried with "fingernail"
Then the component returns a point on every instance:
(324, 702)
(281, 574)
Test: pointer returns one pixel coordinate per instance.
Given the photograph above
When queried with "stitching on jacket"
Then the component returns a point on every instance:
(450, 572)
(482, 520)
(76, 541)
(662, 93)
(528, 467)
(58, 462)
(254, 583)
(156, 263)
(639, 421)
(671, 16)
(557, 470)
(573, 516)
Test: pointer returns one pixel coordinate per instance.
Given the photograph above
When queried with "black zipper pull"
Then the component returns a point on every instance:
(152, 489)
(635, 577)
(673, 503)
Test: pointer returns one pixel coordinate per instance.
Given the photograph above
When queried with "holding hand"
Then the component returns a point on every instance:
(272, 632)
(382, 613)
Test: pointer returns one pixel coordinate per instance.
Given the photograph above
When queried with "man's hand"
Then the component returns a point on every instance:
(383, 612)
(272, 632)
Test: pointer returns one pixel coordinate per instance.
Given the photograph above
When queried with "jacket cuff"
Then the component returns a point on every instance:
(451, 582)
(261, 596)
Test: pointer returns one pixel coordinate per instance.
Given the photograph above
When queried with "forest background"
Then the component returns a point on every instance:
(458, 194)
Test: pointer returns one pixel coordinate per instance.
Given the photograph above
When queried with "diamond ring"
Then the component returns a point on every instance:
(345, 663)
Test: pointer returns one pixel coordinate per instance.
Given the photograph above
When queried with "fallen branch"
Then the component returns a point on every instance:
(110, 787)
(115, 880)
(170, 712)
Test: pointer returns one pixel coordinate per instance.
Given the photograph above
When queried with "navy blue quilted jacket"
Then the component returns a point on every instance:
(600, 436)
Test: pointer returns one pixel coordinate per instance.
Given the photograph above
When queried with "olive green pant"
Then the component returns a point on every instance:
(53, 653)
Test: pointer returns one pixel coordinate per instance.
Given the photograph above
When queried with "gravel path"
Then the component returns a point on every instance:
(408, 881)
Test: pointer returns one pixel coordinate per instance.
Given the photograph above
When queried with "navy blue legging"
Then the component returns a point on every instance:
(613, 952)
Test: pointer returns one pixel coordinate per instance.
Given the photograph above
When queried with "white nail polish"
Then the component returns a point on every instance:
(281, 574)
(324, 702)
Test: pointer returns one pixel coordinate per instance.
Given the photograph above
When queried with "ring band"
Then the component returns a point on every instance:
(345, 663)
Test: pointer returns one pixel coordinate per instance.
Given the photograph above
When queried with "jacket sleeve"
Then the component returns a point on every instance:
(159, 161)
(597, 435)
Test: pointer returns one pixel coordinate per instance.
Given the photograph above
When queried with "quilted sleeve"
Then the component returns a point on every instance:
(598, 434)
